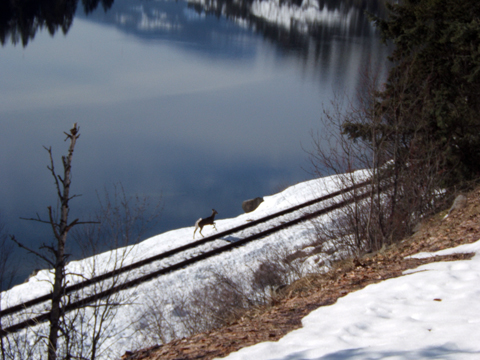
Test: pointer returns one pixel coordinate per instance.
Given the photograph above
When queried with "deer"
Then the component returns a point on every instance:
(207, 221)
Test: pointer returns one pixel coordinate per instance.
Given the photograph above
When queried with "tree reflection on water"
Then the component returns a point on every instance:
(21, 19)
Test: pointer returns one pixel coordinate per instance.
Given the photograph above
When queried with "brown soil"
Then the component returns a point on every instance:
(299, 299)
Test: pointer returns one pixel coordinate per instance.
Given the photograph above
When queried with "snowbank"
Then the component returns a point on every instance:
(433, 312)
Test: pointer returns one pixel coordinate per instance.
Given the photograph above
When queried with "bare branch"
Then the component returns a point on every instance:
(36, 219)
(77, 274)
(50, 248)
(52, 170)
(53, 224)
(72, 224)
(12, 237)
(74, 196)
(61, 180)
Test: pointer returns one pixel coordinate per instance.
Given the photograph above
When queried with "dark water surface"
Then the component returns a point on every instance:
(201, 104)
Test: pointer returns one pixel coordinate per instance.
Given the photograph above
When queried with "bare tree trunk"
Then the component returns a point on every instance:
(60, 230)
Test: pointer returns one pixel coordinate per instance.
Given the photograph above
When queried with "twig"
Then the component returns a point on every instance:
(12, 237)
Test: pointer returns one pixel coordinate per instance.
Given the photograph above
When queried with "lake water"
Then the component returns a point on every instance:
(202, 104)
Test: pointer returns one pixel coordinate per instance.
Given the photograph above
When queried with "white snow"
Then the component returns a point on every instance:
(165, 288)
(401, 318)
(432, 312)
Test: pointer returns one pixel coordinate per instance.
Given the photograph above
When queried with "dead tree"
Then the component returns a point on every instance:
(118, 226)
(54, 254)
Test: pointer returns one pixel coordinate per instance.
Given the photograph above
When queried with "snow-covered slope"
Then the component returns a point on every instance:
(433, 312)
(40, 283)
(123, 334)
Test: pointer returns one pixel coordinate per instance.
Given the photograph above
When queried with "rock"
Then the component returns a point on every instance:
(252, 204)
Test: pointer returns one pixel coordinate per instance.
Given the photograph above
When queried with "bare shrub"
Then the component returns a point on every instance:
(405, 171)
(25, 344)
(216, 302)
(223, 299)
(119, 224)
(268, 275)
(278, 268)
(154, 324)
(121, 220)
